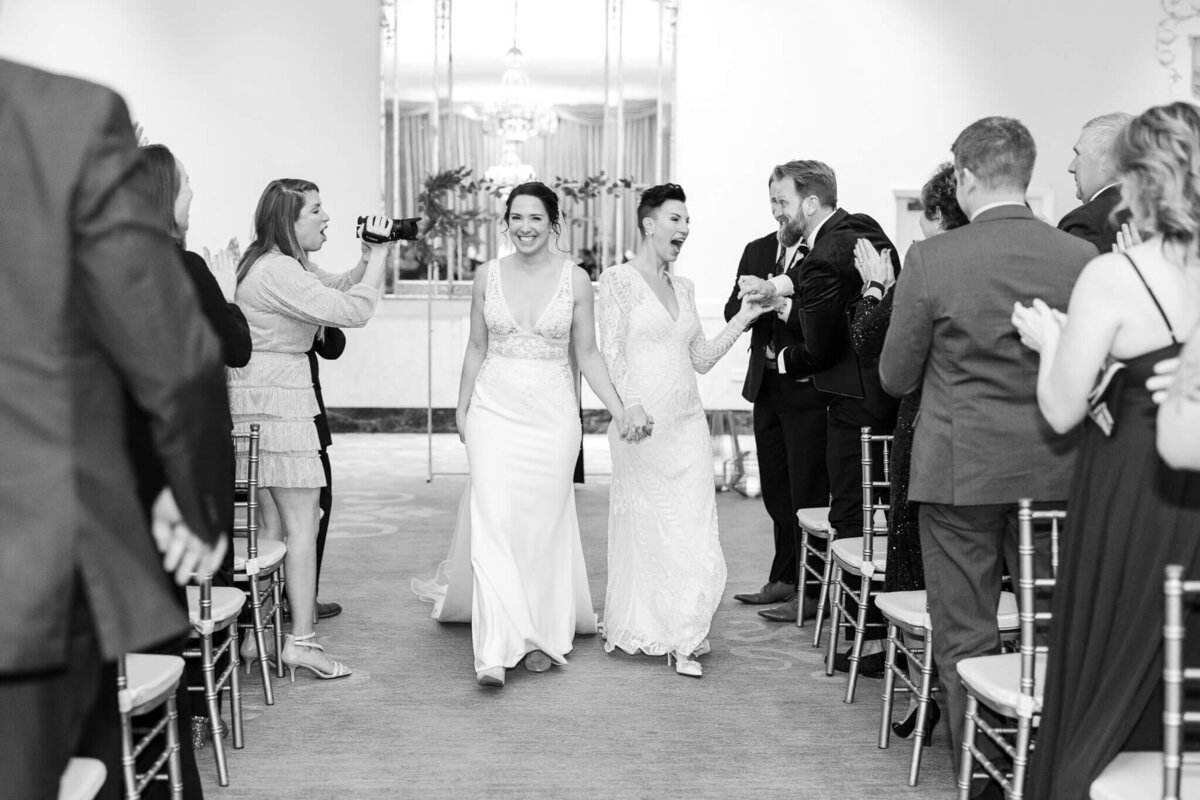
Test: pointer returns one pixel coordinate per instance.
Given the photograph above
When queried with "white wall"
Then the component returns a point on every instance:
(249, 91)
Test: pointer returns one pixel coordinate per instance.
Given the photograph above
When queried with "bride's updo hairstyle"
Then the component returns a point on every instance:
(542, 192)
(653, 198)
(1158, 159)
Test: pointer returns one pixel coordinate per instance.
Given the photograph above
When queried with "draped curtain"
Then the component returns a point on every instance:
(574, 151)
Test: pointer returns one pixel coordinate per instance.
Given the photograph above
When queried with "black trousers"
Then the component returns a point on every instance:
(47, 717)
(326, 505)
(789, 435)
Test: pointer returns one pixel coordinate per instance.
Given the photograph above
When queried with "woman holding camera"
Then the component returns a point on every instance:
(287, 300)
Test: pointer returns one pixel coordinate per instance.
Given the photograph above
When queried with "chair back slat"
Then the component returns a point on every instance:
(1029, 583)
(870, 501)
(246, 449)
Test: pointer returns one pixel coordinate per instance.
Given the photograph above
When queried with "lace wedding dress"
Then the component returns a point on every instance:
(515, 569)
(666, 571)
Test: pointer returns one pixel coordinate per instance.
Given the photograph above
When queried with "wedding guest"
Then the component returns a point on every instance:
(287, 299)
(1106, 636)
(102, 311)
(1096, 183)
(825, 288)
(789, 418)
(329, 344)
(515, 569)
(940, 212)
(980, 443)
(666, 571)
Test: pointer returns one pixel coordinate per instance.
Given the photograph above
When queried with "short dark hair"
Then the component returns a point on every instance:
(811, 178)
(164, 172)
(653, 198)
(998, 150)
(542, 192)
(939, 198)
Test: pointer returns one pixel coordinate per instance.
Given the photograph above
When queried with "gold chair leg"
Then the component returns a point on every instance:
(174, 761)
(889, 688)
(966, 767)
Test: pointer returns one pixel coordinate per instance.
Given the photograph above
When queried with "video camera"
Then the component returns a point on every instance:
(401, 229)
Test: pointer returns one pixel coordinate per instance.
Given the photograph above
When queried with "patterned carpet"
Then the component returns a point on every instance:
(412, 723)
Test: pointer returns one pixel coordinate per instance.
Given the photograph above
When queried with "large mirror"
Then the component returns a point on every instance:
(480, 95)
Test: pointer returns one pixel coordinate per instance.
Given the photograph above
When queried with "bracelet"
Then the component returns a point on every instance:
(874, 285)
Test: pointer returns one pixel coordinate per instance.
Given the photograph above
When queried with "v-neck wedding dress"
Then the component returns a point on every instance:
(516, 569)
(666, 571)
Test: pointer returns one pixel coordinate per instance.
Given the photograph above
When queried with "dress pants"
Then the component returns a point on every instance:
(48, 717)
(965, 549)
(325, 502)
(789, 435)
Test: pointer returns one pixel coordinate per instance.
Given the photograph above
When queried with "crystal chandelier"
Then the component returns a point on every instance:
(515, 118)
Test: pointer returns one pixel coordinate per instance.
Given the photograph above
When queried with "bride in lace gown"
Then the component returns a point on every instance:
(515, 569)
(666, 571)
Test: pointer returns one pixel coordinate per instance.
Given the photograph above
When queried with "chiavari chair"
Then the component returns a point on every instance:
(213, 611)
(146, 683)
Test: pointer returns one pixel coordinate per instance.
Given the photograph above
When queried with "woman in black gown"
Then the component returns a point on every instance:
(940, 213)
(1130, 514)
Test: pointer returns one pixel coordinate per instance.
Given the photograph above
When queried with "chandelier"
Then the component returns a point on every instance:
(516, 118)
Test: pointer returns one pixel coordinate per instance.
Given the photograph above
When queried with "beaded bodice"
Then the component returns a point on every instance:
(550, 336)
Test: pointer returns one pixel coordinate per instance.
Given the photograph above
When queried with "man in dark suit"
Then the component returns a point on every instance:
(789, 424)
(1096, 183)
(95, 304)
(980, 442)
(819, 294)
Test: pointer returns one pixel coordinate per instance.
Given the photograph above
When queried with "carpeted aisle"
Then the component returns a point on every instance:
(412, 723)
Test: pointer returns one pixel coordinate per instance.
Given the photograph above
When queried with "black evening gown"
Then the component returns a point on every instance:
(905, 571)
(1129, 515)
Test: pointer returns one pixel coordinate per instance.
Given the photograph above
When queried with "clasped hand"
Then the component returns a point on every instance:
(184, 553)
(635, 424)
(755, 289)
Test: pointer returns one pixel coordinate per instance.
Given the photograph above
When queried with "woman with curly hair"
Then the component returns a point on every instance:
(1130, 512)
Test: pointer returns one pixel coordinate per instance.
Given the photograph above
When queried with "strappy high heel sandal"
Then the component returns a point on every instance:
(685, 665)
(290, 643)
(249, 650)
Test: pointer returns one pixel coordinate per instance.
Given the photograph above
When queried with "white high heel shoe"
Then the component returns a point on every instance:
(685, 665)
(292, 659)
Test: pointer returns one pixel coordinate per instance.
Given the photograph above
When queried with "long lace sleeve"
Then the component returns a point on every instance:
(613, 320)
(706, 352)
(290, 290)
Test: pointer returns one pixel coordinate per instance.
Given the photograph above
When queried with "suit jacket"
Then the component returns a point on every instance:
(88, 271)
(759, 259)
(1091, 221)
(331, 346)
(980, 438)
(827, 291)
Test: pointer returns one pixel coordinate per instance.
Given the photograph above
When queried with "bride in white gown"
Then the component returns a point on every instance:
(666, 571)
(515, 569)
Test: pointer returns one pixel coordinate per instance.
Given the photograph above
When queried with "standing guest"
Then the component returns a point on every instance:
(1106, 641)
(173, 198)
(515, 569)
(940, 212)
(789, 416)
(329, 343)
(666, 571)
(87, 266)
(1096, 183)
(980, 443)
(826, 288)
(287, 299)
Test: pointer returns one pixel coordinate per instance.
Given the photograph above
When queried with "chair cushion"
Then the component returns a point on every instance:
(150, 679)
(910, 610)
(227, 603)
(270, 554)
(814, 520)
(996, 681)
(849, 555)
(1133, 776)
(82, 779)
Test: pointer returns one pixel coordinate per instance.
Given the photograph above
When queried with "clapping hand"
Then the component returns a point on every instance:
(1127, 237)
(755, 288)
(874, 266)
(636, 424)
(223, 265)
(1037, 323)
(184, 553)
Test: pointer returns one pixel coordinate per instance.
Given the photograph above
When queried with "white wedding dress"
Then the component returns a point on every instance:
(666, 571)
(515, 569)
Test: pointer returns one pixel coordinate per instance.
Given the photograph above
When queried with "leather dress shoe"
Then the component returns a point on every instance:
(870, 666)
(327, 610)
(770, 593)
(783, 613)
